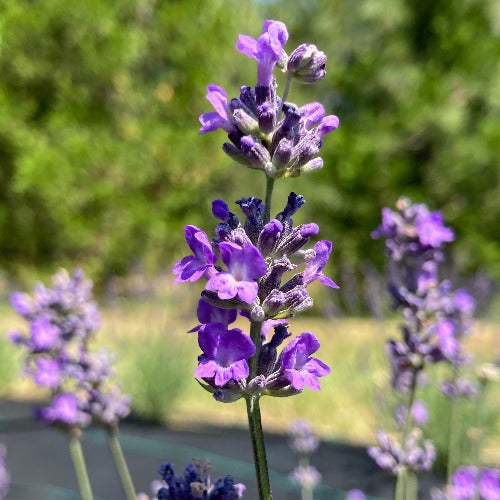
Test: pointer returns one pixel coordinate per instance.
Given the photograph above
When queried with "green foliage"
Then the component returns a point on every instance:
(154, 373)
(100, 161)
(473, 421)
(8, 365)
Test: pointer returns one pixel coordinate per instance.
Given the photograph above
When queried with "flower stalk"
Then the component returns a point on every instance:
(406, 481)
(120, 463)
(269, 196)
(79, 464)
(258, 447)
(258, 255)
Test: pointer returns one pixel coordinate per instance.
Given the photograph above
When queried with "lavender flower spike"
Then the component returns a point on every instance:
(193, 267)
(224, 353)
(245, 265)
(219, 118)
(298, 365)
(314, 267)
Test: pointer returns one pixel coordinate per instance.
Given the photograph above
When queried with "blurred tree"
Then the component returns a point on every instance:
(99, 158)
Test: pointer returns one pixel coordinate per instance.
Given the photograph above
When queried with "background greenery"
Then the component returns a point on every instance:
(100, 162)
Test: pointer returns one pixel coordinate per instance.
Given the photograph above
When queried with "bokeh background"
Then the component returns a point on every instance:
(101, 166)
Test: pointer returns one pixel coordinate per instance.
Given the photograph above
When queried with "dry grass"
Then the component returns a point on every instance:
(353, 401)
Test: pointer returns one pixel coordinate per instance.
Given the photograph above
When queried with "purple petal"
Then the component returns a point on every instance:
(224, 284)
(208, 313)
(217, 97)
(277, 33)
(247, 45)
(327, 125)
(316, 366)
(220, 209)
(313, 113)
(247, 291)
(211, 121)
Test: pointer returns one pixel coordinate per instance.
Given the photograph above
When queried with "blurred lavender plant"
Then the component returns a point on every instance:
(435, 320)
(471, 483)
(303, 442)
(282, 140)
(195, 483)
(62, 321)
(4, 473)
(355, 495)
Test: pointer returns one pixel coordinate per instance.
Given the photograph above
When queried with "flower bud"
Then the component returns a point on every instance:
(227, 395)
(268, 237)
(235, 154)
(242, 117)
(307, 63)
(282, 154)
(309, 167)
(255, 152)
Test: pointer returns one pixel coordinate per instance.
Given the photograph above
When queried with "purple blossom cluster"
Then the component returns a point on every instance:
(436, 317)
(62, 321)
(263, 275)
(4, 473)
(416, 454)
(265, 132)
(470, 483)
(195, 484)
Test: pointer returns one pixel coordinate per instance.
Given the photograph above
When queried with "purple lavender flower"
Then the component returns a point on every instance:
(44, 334)
(463, 483)
(489, 484)
(431, 230)
(315, 266)
(22, 304)
(267, 49)
(301, 438)
(258, 138)
(193, 267)
(4, 474)
(65, 409)
(355, 495)
(62, 320)
(219, 118)
(207, 313)
(245, 265)
(224, 354)
(392, 456)
(47, 373)
(459, 387)
(298, 365)
(419, 414)
(196, 483)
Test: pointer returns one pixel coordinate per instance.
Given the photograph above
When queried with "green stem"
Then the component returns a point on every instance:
(452, 440)
(411, 485)
(400, 486)
(285, 93)
(406, 482)
(258, 447)
(477, 443)
(269, 195)
(120, 463)
(306, 492)
(75, 449)
(254, 422)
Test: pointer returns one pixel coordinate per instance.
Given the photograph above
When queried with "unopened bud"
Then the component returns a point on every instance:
(307, 64)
